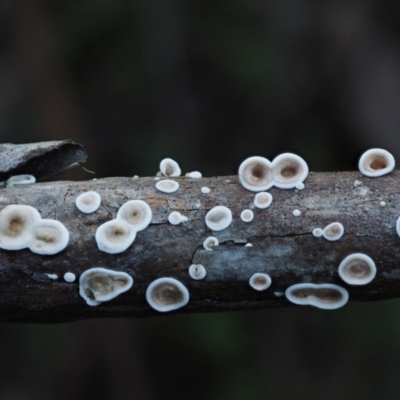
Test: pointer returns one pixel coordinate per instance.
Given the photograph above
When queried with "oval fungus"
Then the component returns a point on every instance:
(20, 180)
(115, 236)
(169, 167)
(326, 295)
(195, 175)
(137, 213)
(255, 174)
(248, 245)
(218, 218)
(197, 271)
(288, 171)
(263, 200)
(16, 224)
(176, 218)
(317, 232)
(97, 285)
(69, 277)
(260, 281)
(205, 190)
(167, 294)
(333, 231)
(88, 202)
(296, 213)
(247, 215)
(48, 237)
(376, 162)
(357, 269)
(210, 242)
(167, 186)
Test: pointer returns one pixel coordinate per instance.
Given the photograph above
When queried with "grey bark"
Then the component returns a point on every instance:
(283, 245)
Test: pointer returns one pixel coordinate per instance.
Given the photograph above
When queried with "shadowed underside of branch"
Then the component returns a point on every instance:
(283, 245)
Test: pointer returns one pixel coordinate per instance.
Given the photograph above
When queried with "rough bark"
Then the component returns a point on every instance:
(283, 245)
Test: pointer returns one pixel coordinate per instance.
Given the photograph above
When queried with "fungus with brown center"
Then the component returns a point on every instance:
(88, 202)
(48, 237)
(376, 162)
(260, 281)
(210, 242)
(115, 236)
(255, 174)
(247, 215)
(169, 167)
(333, 231)
(197, 271)
(288, 171)
(137, 213)
(357, 269)
(263, 200)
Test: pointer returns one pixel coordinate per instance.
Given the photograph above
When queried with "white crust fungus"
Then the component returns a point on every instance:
(49, 237)
(69, 277)
(195, 174)
(97, 285)
(376, 162)
(382, 204)
(296, 213)
(20, 180)
(210, 242)
(205, 190)
(218, 218)
(333, 231)
(115, 236)
(288, 171)
(176, 218)
(167, 294)
(16, 224)
(169, 167)
(88, 202)
(167, 186)
(357, 269)
(255, 174)
(247, 215)
(326, 296)
(263, 200)
(197, 271)
(137, 213)
(260, 281)
(317, 232)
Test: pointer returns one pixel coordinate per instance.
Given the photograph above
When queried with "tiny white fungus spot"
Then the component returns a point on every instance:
(317, 232)
(205, 190)
(260, 281)
(137, 213)
(333, 231)
(210, 242)
(52, 276)
(279, 294)
(300, 186)
(88, 202)
(169, 167)
(197, 271)
(167, 186)
(195, 174)
(69, 277)
(248, 245)
(357, 269)
(218, 218)
(296, 213)
(263, 200)
(175, 218)
(382, 204)
(247, 215)
(357, 183)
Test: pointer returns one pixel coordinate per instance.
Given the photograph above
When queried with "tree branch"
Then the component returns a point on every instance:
(283, 245)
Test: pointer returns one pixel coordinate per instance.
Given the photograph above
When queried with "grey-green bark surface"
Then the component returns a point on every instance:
(283, 245)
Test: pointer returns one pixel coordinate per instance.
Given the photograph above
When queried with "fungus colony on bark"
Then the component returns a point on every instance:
(21, 226)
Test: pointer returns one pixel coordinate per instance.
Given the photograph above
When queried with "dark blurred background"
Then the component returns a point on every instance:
(207, 83)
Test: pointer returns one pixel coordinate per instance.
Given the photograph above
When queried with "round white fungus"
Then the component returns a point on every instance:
(357, 269)
(205, 190)
(176, 218)
(69, 277)
(197, 271)
(88, 202)
(288, 171)
(167, 294)
(169, 167)
(167, 186)
(300, 186)
(382, 204)
(376, 162)
(137, 213)
(296, 213)
(218, 218)
(255, 174)
(115, 236)
(317, 232)
(263, 200)
(195, 174)
(260, 281)
(210, 243)
(247, 215)
(248, 245)
(333, 231)
(20, 180)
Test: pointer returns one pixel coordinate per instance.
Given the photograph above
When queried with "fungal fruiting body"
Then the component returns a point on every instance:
(167, 186)
(176, 218)
(115, 236)
(248, 245)
(197, 271)
(195, 174)
(263, 200)
(357, 269)
(210, 242)
(333, 231)
(255, 174)
(218, 218)
(20, 180)
(326, 296)
(288, 171)
(69, 277)
(49, 237)
(397, 225)
(88, 202)
(260, 281)
(317, 232)
(169, 167)
(137, 213)
(205, 190)
(376, 162)
(296, 213)
(167, 294)
(97, 285)
(247, 215)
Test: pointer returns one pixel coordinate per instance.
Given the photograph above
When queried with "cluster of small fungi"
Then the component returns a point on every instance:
(21, 226)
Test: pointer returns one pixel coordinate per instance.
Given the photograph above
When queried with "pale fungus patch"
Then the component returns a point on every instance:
(167, 186)
(52, 276)
(218, 218)
(326, 296)
(97, 285)
(210, 242)
(296, 213)
(195, 174)
(248, 245)
(69, 277)
(317, 232)
(357, 269)
(88, 202)
(300, 186)
(176, 218)
(255, 174)
(288, 171)
(382, 204)
(20, 180)
(169, 167)
(167, 294)
(115, 236)
(205, 190)
(49, 237)
(333, 231)
(376, 162)
(263, 200)
(247, 215)
(260, 281)
(137, 213)
(197, 271)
